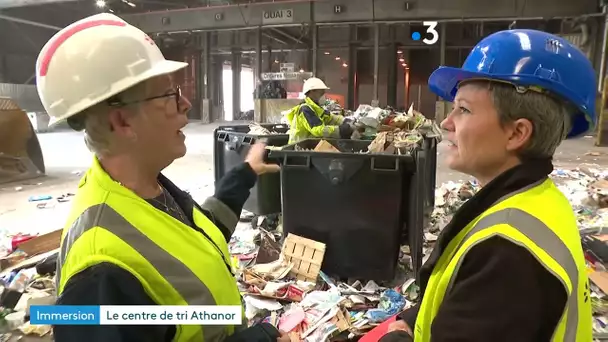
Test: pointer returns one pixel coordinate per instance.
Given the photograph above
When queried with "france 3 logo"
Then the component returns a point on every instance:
(431, 30)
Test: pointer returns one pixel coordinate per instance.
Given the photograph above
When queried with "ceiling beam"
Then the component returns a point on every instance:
(29, 22)
(287, 35)
(24, 3)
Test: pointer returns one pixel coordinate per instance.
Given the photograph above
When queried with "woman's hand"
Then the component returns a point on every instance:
(284, 337)
(255, 159)
(400, 325)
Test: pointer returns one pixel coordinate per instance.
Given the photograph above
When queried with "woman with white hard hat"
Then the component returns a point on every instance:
(509, 266)
(309, 120)
(132, 236)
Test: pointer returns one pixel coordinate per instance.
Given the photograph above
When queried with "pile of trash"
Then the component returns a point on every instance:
(257, 129)
(27, 278)
(333, 107)
(409, 126)
(586, 188)
(302, 300)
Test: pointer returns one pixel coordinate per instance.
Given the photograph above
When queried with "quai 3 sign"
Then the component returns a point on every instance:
(277, 16)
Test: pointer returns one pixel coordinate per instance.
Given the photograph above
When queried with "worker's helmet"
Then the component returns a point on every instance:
(532, 60)
(313, 83)
(92, 60)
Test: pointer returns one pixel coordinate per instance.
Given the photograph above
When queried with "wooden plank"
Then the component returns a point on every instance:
(306, 255)
(42, 244)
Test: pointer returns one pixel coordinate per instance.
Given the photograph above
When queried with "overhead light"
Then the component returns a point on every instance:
(401, 60)
(100, 3)
(344, 65)
(404, 64)
(399, 51)
(338, 58)
(326, 52)
(128, 3)
(301, 70)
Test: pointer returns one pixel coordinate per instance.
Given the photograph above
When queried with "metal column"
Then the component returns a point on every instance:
(391, 84)
(3, 73)
(236, 84)
(352, 90)
(258, 56)
(199, 71)
(270, 60)
(376, 51)
(315, 46)
(217, 90)
(205, 73)
(206, 64)
(443, 39)
(602, 75)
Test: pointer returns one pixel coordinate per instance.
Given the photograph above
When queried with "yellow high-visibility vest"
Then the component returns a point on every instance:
(540, 219)
(175, 264)
(299, 128)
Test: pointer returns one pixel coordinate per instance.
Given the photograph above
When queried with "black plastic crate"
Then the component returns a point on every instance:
(231, 145)
(357, 204)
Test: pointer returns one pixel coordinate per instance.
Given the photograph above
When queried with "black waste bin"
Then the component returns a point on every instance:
(417, 215)
(231, 145)
(429, 155)
(357, 204)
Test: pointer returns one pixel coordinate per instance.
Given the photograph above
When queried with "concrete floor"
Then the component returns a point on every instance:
(66, 157)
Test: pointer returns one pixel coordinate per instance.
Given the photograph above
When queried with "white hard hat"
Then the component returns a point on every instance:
(92, 60)
(313, 83)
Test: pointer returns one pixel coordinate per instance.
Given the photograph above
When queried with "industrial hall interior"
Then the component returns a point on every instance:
(322, 170)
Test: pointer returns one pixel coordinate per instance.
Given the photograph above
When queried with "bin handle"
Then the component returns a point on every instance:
(222, 136)
(286, 164)
(248, 140)
(394, 169)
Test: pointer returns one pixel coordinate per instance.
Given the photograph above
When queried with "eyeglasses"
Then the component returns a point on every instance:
(177, 94)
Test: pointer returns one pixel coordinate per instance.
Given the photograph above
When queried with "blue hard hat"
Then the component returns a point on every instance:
(533, 59)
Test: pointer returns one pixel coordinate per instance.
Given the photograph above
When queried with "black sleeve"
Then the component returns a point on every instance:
(396, 336)
(311, 117)
(501, 293)
(409, 315)
(345, 131)
(233, 189)
(263, 332)
(107, 284)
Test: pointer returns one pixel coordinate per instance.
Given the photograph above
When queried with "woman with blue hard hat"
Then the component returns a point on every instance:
(509, 266)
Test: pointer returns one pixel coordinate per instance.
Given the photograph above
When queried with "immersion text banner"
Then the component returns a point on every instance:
(136, 315)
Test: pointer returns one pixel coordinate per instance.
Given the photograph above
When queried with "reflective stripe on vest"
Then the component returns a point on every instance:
(546, 239)
(540, 219)
(189, 286)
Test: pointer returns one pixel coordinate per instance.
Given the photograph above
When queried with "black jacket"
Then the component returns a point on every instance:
(108, 284)
(501, 292)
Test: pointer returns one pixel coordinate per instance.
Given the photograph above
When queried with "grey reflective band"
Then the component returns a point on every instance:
(543, 237)
(524, 189)
(174, 271)
(221, 213)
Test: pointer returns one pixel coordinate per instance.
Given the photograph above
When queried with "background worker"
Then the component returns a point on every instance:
(309, 120)
(132, 236)
(509, 266)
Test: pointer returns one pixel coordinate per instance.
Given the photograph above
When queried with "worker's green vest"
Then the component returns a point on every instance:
(299, 129)
(175, 264)
(540, 219)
